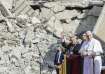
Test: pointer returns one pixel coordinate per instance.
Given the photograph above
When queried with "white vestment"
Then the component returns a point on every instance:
(88, 47)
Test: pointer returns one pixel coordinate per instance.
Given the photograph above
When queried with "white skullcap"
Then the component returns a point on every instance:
(89, 33)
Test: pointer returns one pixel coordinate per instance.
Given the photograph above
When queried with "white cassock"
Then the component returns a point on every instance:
(89, 47)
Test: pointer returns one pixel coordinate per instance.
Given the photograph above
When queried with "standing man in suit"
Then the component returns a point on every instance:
(59, 58)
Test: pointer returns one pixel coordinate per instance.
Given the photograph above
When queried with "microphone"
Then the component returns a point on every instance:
(35, 43)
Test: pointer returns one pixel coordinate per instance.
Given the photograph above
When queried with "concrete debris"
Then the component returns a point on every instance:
(28, 41)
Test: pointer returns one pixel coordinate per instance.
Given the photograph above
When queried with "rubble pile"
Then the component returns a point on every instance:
(26, 42)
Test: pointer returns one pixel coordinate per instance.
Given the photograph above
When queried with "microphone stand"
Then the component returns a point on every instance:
(40, 56)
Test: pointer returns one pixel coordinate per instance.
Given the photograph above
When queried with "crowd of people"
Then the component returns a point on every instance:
(83, 55)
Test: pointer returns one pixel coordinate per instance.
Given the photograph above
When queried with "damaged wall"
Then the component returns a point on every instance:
(19, 48)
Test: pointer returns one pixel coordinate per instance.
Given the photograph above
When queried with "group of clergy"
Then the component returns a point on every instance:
(83, 56)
